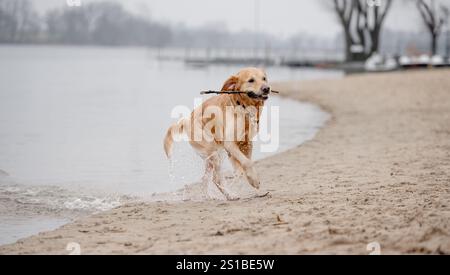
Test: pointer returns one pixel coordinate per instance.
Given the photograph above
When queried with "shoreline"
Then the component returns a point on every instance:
(378, 171)
(16, 228)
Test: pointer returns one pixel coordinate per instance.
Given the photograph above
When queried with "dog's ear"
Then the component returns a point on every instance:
(230, 84)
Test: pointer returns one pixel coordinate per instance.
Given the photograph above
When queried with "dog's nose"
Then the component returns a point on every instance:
(265, 89)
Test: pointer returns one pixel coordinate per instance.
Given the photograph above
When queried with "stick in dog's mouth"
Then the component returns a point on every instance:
(256, 96)
(231, 92)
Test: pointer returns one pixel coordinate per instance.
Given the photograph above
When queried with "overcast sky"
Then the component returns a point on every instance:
(279, 17)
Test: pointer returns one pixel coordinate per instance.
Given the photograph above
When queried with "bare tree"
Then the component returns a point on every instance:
(18, 21)
(446, 11)
(433, 20)
(104, 23)
(362, 23)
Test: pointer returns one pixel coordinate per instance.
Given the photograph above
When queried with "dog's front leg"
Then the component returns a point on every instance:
(247, 164)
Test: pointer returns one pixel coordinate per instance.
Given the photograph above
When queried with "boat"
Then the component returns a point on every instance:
(423, 61)
(379, 63)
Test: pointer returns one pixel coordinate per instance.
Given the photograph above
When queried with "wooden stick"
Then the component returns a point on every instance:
(229, 92)
(223, 92)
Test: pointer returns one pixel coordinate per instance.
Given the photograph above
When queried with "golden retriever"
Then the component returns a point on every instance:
(229, 122)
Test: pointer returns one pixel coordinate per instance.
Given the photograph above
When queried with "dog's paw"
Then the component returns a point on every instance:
(252, 178)
(232, 198)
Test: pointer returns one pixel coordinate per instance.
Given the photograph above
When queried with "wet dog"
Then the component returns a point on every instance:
(229, 122)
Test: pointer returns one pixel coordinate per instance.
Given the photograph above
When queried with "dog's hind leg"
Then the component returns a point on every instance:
(217, 177)
(209, 166)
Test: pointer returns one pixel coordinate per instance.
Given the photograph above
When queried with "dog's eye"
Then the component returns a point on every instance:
(251, 80)
(264, 78)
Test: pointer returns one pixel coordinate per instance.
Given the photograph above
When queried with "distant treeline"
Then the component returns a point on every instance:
(102, 23)
(108, 23)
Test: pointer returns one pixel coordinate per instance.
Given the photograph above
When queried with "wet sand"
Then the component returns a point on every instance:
(379, 171)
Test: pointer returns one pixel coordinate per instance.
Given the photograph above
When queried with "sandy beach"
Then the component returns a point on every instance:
(379, 171)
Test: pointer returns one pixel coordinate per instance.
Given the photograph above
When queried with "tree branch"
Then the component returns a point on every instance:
(427, 14)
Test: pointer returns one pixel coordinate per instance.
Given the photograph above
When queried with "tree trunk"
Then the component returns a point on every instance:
(348, 45)
(375, 40)
(434, 41)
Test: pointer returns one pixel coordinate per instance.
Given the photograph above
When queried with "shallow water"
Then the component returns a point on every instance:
(81, 129)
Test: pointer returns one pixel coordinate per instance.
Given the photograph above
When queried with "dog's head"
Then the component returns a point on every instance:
(252, 81)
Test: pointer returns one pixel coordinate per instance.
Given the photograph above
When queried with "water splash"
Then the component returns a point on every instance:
(53, 200)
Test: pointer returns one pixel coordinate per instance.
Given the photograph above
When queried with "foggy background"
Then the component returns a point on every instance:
(301, 25)
(281, 18)
(87, 91)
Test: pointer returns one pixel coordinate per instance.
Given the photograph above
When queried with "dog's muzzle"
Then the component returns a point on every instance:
(264, 95)
(265, 90)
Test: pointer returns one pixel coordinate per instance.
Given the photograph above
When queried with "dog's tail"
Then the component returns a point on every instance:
(173, 131)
